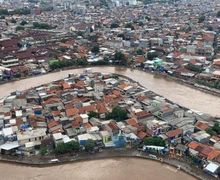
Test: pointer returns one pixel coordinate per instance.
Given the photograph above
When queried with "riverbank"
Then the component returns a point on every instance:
(42, 162)
(188, 83)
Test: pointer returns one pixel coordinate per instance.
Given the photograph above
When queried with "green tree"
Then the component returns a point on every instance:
(19, 28)
(23, 22)
(69, 147)
(201, 19)
(114, 25)
(216, 128)
(95, 49)
(154, 141)
(118, 114)
(140, 52)
(43, 151)
(119, 58)
(210, 131)
(152, 55)
(129, 25)
(93, 114)
(89, 146)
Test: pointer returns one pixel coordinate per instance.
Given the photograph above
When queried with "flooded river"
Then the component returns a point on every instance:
(107, 169)
(180, 94)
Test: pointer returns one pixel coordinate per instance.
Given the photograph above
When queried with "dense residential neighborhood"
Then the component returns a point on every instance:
(94, 112)
(177, 38)
(97, 111)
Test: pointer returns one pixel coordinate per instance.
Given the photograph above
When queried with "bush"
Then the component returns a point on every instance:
(201, 19)
(89, 146)
(154, 141)
(69, 147)
(118, 114)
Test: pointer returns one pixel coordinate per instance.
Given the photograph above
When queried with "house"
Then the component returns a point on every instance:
(35, 136)
(213, 169)
(106, 136)
(201, 136)
(174, 134)
(180, 150)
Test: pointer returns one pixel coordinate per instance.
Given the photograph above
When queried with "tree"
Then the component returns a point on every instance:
(69, 147)
(119, 58)
(19, 28)
(93, 114)
(23, 22)
(129, 25)
(210, 131)
(89, 146)
(201, 19)
(216, 128)
(43, 151)
(95, 49)
(13, 21)
(114, 25)
(151, 55)
(139, 52)
(118, 114)
(154, 141)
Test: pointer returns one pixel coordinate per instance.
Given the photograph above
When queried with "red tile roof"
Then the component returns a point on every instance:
(174, 133)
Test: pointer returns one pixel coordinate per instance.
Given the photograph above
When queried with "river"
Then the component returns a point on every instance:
(178, 93)
(106, 169)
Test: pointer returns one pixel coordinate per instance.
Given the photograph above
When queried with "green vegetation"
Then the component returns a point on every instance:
(37, 25)
(69, 147)
(209, 83)
(89, 146)
(19, 28)
(201, 19)
(114, 25)
(154, 141)
(119, 58)
(194, 68)
(215, 130)
(93, 114)
(140, 52)
(23, 22)
(95, 49)
(56, 64)
(152, 55)
(19, 11)
(129, 25)
(118, 114)
(43, 151)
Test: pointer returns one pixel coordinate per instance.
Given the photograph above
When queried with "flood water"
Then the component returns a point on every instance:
(180, 94)
(106, 169)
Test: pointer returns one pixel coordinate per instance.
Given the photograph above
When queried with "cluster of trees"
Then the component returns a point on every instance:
(154, 141)
(119, 58)
(118, 114)
(37, 25)
(93, 114)
(95, 49)
(19, 11)
(56, 64)
(201, 19)
(114, 25)
(194, 68)
(69, 147)
(215, 130)
(89, 146)
(152, 55)
(129, 25)
(209, 83)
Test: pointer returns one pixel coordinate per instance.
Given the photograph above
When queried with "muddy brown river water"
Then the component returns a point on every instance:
(106, 169)
(180, 94)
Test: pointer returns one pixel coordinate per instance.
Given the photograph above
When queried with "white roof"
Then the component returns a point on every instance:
(18, 113)
(212, 167)
(57, 136)
(29, 144)
(9, 145)
(84, 116)
(7, 131)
